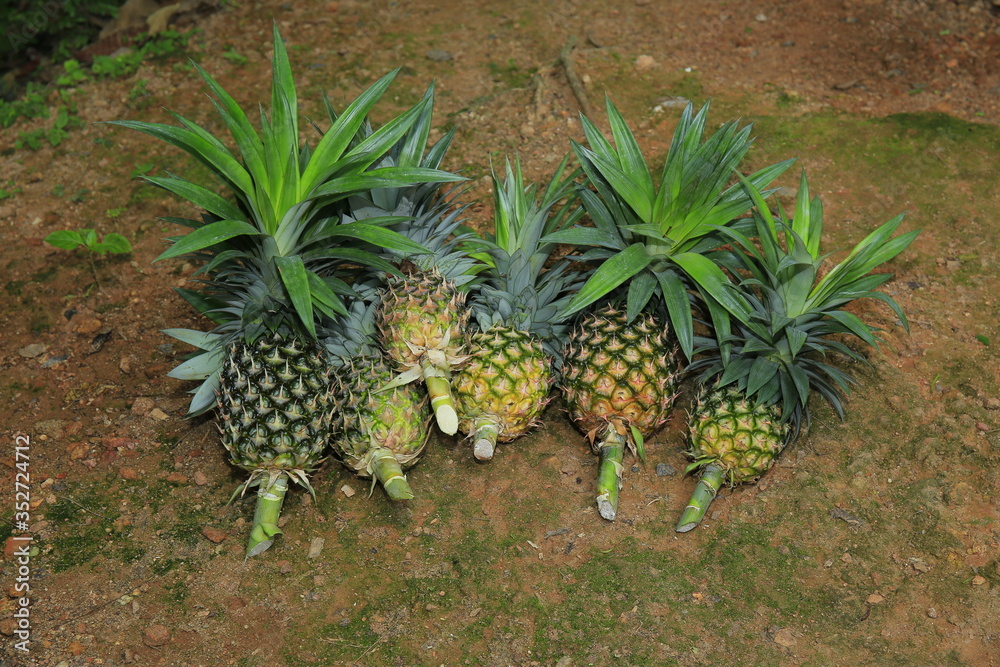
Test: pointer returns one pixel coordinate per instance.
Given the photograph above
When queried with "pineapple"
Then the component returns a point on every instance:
(269, 278)
(379, 432)
(518, 314)
(756, 381)
(619, 380)
(422, 317)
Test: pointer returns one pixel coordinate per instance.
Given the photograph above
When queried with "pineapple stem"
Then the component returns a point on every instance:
(270, 495)
(442, 402)
(486, 434)
(386, 468)
(712, 477)
(609, 473)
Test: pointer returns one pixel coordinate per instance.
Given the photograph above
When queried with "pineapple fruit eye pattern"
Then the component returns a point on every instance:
(354, 310)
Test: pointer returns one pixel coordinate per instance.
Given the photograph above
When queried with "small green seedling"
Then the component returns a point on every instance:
(68, 239)
(87, 238)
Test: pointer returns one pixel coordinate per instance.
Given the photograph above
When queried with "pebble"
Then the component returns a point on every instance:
(992, 404)
(142, 406)
(439, 55)
(316, 547)
(643, 63)
(665, 470)
(177, 478)
(158, 414)
(932, 613)
(156, 635)
(347, 490)
(86, 325)
(32, 351)
(284, 567)
(214, 534)
(874, 598)
(978, 580)
(785, 637)
(983, 426)
(128, 473)
(200, 479)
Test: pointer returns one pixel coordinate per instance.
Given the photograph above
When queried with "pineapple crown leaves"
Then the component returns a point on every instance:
(517, 289)
(280, 189)
(355, 334)
(775, 350)
(439, 233)
(657, 240)
(410, 151)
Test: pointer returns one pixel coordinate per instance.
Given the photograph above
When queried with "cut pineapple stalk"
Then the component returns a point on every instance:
(609, 472)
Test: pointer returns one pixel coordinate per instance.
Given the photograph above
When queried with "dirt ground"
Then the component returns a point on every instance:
(873, 542)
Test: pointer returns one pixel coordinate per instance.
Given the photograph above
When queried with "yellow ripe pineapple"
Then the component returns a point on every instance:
(519, 313)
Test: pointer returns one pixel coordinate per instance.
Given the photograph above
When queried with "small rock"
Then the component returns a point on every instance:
(665, 470)
(7, 627)
(142, 406)
(565, 661)
(785, 637)
(214, 534)
(992, 404)
(284, 567)
(128, 473)
(978, 580)
(439, 55)
(983, 426)
(158, 414)
(671, 103)
(347, 490)
(643, 63)
(874, 598)
(200, 479)
(125, 365)
(77, 451)
(76, 648)
(177, 478)
(527, 130)
(32, 351)
(10, 546)
(87, 326)
(316, 547)
(156, 635)
(932, 613)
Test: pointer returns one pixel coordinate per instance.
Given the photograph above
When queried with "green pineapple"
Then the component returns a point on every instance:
(756, 381)
(619, 380)
(379, 432)
(518, 313)
(270, 256)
